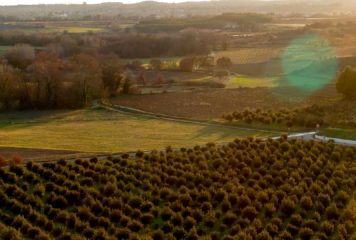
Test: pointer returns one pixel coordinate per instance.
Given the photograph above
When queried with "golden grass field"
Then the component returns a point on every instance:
(251, 82)
(103, 131)
(74, 29)
(251, 55)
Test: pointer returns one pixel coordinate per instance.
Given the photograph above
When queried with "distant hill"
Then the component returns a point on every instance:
(151, 8)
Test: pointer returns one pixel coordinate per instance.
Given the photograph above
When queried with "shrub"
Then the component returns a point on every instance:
(262, 196)
(109, 190)
(33, 232)
(177, 219)
(249, 212)
(264, 235)
(206, 207)
(10, 234)
(287, 206)
(62, 217)
(185, 199)
(270, 209)
(285, 235)
(59, 202)
(312, 224)
(158, 235)
(167, 227)
(306, 233)
(229, 219)
(123, 233)
(342, 197)
(285, 146)
(49, 226)
(192, 235)
(306, 202)
(87, 182)
(188, 223)
(103, 222)
(147, 218)
(18, 222)
(296, 220)
(332, 212)
(166, 214)
(178, 232)
(89, 233)
(16, 160)
(135, 226)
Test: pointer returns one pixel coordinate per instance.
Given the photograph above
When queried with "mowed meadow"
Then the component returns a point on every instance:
(105, 131)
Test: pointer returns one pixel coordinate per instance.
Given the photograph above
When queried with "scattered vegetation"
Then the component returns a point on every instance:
(337, 114)
(305, 117)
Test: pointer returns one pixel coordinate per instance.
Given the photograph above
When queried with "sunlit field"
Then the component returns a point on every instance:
(102, 131)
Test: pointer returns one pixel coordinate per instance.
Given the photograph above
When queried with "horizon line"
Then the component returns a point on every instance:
(107, 2)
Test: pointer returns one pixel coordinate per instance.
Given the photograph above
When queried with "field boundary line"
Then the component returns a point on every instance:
(138, 112)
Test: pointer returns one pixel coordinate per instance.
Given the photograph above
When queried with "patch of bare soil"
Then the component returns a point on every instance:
(29, 153)
(204, 104)
(212, 104)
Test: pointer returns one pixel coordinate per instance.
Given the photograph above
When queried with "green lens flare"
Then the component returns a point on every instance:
(309, 63)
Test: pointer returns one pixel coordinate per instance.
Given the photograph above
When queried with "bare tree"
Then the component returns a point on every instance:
(9, 86)
(46, 73)
(87, 76)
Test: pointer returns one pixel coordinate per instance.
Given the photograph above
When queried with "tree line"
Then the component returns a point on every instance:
(126, 45)
(42, 80)
(245, 22)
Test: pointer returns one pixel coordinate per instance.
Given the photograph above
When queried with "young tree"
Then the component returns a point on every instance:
(346, 83)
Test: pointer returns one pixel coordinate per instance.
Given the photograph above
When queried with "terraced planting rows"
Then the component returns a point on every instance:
(249, 189)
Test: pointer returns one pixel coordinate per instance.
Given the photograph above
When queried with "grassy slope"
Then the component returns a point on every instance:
(102, 131)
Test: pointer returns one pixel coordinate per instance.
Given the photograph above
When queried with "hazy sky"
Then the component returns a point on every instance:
(17, 2)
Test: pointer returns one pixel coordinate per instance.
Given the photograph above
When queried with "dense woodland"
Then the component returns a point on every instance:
(128, 45)
(33, 80)
(248, 189)
(231, 21)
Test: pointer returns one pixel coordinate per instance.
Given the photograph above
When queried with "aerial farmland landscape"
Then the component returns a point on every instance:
(164, 120)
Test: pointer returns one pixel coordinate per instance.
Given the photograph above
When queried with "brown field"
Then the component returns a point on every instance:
(213, 103)
(151, 76)
(29, 153)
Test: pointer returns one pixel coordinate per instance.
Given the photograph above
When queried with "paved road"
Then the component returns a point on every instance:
(336, 140)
